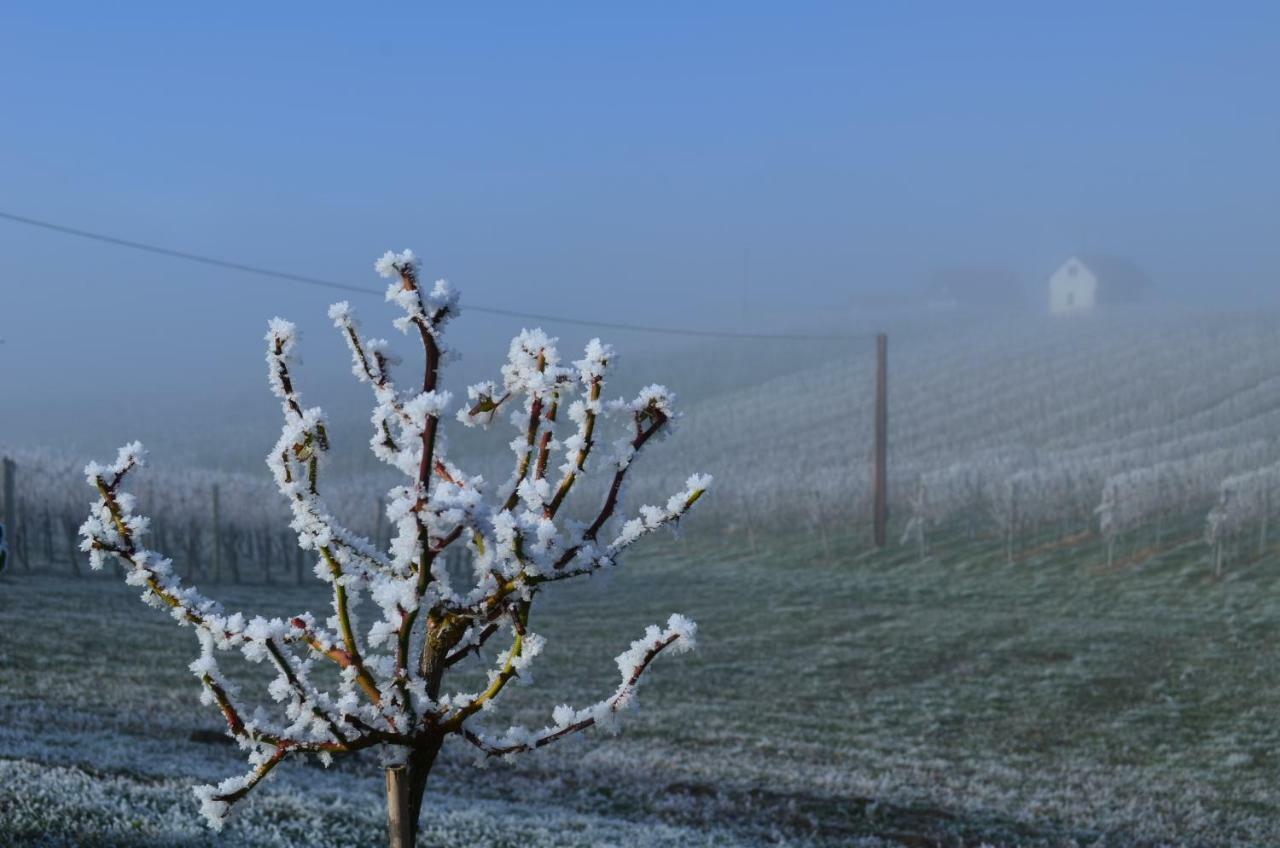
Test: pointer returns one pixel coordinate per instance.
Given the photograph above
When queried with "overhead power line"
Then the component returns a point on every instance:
(337, 286)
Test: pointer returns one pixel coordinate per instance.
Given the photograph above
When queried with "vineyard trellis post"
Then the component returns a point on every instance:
(193, 548)
(264, 555)
(10, 471)
(1266, 511)
(879, 472)
(216, 530)
(71, 533)
(299, 564)
(1011, 530)
(48, 537)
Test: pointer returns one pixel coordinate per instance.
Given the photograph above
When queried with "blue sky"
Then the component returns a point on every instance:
(673, 163)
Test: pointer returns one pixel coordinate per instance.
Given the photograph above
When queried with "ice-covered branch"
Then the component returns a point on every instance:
(343, 554)
(315, 723)
(651, 519)
(651, 412)
(679, 637)
(591, 371)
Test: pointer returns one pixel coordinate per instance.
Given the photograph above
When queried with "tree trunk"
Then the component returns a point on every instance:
(400, 831)
(406, 786)
(440, 639)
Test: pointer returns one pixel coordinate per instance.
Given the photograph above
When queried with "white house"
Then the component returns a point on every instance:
(1085, 282)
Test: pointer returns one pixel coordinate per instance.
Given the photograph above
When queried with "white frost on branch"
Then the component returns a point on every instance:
(391, 264)
(678, 637)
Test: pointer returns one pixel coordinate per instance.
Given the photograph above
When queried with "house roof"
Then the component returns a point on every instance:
(1119, 279)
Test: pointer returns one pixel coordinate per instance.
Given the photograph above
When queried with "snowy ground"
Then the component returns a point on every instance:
(836, 699)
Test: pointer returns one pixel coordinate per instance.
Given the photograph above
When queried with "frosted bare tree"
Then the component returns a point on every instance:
(392, 695)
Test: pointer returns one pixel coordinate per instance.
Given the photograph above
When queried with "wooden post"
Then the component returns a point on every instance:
(1013, 520)
(399, 821)
(23, 539)
(217, 537)
(71, 531)
(10, 516)
(17, 542)
(264, 551)
(233, 552)
(48, 538)
(879, 471)
(1266, 511)
(193, 549)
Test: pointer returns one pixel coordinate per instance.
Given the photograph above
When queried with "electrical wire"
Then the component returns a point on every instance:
(346, 287)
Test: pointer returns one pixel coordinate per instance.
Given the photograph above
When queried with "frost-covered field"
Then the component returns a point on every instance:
(850, 699)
